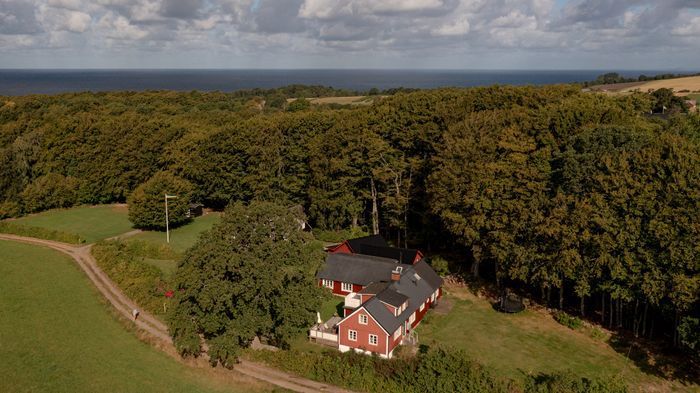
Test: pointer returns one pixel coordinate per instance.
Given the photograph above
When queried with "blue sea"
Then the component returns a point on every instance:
(21, 82)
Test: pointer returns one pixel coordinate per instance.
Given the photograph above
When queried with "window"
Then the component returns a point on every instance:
(328, 283)
(363, 319)
(346, 286)
(397, 333)
(352, 335)
(373, 339)
(422, 306)
(412, 318)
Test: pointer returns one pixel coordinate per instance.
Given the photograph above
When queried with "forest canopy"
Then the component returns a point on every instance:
(556, 191)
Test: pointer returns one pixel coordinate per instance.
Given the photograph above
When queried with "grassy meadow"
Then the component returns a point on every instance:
(91, 223)
(183, 237)
(530, 342)
(56, 335)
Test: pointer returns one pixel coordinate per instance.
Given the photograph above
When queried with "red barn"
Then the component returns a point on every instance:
(384, 298)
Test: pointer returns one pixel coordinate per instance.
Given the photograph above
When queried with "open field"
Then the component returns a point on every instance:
(91, 223)
(526, 343)
(348, 100)
(183, 237)
(56, 335)
(691, 83)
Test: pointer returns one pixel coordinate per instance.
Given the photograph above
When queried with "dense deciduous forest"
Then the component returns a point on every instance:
(579, 198)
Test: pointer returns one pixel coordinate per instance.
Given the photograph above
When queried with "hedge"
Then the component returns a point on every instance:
(434, 370)
(40, 233)
(143, 283)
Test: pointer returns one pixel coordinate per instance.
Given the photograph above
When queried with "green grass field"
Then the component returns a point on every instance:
(524, 343)
(183, 237)
(91, 223)
(56, 335)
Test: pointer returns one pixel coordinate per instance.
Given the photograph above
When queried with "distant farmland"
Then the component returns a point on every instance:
(682, 86)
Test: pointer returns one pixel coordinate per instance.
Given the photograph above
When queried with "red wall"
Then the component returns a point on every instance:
(337, 287)
(363, 332)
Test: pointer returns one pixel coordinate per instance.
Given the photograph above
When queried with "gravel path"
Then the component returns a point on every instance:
(156, 329)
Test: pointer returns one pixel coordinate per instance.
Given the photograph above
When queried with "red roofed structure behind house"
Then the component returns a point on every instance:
(387, 292)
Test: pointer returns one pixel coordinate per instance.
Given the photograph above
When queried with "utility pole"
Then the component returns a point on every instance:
(167, 223)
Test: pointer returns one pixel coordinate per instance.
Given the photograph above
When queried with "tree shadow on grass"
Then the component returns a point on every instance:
(654, 359)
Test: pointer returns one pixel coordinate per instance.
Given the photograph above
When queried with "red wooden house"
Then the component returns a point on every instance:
(384, 297)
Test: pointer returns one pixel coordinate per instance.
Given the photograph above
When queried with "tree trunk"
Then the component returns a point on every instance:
(475, 268)
(644, 318)
(602, 309)
(635, 318)
(619, 313)
(375, 210)
(549, 296)
(612, 312)
(476, 254)
(498, 278)
(561, 295)
(542, 295)
(583, 302)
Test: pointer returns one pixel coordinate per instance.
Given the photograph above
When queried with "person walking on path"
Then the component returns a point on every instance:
(135, 313)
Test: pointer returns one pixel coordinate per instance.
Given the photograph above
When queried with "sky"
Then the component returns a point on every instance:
(405, 34)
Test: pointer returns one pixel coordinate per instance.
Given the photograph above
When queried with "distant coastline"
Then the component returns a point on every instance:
(15, 82)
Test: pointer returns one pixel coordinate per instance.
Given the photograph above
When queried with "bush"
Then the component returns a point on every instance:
(40, 233)
(150, 250)
(49, 192)
(435, 370)
(299, 104)
(440, 265)
(568, 320)
(143, 283)
(10, 209)
(147, 205)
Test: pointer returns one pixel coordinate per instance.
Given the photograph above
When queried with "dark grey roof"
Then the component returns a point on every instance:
(375, 288)
(381, 314)
(371, 240)
(390, 296)
(404, 255)
(427, 273)
(357, 269)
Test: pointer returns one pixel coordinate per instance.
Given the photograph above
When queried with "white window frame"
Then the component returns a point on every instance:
(412, 318)
(352, 335)
(344, 286)
(376, 339)
(422, 306)
(397, 333)
(363, 319)
(328, 283)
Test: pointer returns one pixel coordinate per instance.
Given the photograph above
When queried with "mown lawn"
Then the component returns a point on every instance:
(91, 223)
(525, 343)
(183, 237)
(56, 335)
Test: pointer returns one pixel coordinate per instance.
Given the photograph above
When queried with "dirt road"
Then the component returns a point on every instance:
(154, 328)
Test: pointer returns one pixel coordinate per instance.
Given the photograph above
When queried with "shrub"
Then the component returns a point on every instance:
(299, 104)
(146, 203)
(150, 250)
(10, 209)
(440, 265)
(51, 191)
(567, 320)
(143, 283)
(40, 233)
(435, 370)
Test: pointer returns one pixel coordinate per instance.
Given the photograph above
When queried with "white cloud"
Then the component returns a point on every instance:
(396, 29)
(460, 27)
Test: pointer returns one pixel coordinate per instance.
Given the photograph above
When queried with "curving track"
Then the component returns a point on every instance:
(154, 328)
